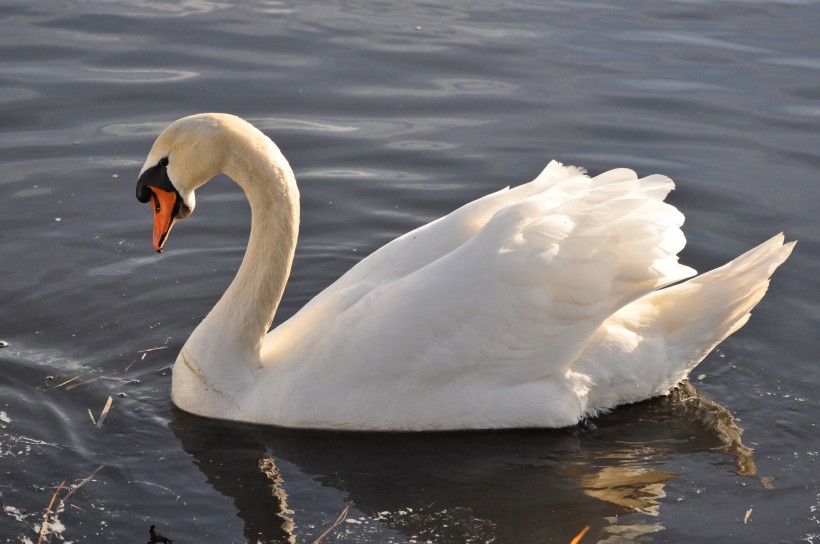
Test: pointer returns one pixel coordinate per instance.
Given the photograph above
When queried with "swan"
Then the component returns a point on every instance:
(534, 306)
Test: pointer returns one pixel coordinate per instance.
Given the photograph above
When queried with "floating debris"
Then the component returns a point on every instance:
(143, 353)
(78, 384)
(152, 349)
(747, 516)
(131, 364)
(79, 485)
(67, 381)
(3, 343)
(105, 411)
(16, 513)
(339, 520)
(580, 535)
(50, 522)
(48, 513)
(154, 537)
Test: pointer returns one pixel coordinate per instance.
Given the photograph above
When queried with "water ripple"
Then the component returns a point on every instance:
(365, 127)
(336, 174)
(60, 73)
(811, 63)
(142, 129)
(440, 88)
(669, 85)
(181, 8)
(421, 145)
(689, 39)
(14, 94)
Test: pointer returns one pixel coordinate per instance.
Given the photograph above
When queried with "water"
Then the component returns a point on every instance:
(393, 114)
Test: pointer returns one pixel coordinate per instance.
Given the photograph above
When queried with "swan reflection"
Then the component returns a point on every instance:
(510, 486)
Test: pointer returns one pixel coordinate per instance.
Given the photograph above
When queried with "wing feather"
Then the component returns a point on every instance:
(508, 288)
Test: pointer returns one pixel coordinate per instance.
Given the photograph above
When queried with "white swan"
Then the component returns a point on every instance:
(529, 307)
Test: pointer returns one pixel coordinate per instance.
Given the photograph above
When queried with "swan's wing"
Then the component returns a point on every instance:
(421, 246)
(509, 288)
(413, 251)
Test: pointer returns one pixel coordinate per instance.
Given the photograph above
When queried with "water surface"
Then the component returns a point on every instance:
(393, 114)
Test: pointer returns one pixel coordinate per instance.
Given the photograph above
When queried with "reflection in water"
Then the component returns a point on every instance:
(237, 466)
(696, 424)
(618, 485)
(267, 466)
(507, 486)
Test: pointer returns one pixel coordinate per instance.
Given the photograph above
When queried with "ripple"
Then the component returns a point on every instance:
(664, 85)
(811, 63)
(802, 110)
(146, 128)
(15, 94)
(633, 160)
(13, 140)
(440, 88)
(496, 32)
(688, 39)
(302, 124)
(335, 173)
(421, 145)
(356, 127)
(51, 73)
(130, 265)
(181, 8)
(274, 7)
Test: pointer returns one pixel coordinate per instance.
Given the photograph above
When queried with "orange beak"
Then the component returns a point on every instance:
(164, 205)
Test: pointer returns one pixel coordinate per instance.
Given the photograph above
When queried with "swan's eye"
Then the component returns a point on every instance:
(163, 161)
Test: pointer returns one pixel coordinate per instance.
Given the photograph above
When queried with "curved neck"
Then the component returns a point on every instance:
(242, 317)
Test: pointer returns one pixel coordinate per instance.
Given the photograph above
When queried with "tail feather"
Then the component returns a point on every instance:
(710, 307)
(653, 343)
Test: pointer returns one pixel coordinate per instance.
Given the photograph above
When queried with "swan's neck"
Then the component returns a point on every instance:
(236, 326)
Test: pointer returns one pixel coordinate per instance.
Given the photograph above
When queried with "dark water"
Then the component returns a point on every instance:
(392, 114)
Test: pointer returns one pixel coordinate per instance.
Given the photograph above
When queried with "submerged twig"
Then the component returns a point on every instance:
(67, 381)
(131, 364)
(580, 535)
(144, 352)
(86, 382)
(79, 485)
(52, 514)
(47, 515)
(78, 384)
(152, 349)
(339, 520)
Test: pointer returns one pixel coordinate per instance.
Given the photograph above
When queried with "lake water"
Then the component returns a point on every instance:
(392, 114)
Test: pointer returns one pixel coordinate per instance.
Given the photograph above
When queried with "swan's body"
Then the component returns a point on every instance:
(530, 307)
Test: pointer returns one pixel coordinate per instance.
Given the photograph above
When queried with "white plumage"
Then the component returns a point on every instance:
(530, 307)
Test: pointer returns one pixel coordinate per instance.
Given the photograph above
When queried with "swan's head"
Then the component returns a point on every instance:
(188, 153)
